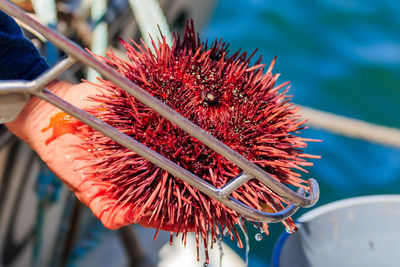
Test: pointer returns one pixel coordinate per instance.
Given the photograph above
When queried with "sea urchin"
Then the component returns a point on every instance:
(225, 95)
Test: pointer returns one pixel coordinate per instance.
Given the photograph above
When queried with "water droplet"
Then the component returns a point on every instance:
(205, 264)
(226, 230)
(258, 237)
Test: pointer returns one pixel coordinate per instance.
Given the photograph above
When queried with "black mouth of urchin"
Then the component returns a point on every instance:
(210, 97)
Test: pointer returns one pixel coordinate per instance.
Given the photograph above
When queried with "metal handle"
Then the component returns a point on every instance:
(221, 194)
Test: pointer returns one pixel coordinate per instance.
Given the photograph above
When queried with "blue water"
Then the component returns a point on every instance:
(340, 56)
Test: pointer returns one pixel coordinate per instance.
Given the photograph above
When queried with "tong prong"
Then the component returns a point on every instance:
(161, 108)
(261, 216)
(242, 178)
(251, 171)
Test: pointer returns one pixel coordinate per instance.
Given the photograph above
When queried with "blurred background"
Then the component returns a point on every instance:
(341, 56)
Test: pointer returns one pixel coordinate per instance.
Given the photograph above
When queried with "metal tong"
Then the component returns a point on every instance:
(250, 170)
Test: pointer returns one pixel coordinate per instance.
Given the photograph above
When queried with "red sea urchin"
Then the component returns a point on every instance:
(235, 102)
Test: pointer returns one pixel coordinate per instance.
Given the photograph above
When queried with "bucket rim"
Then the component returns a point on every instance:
(348, 202)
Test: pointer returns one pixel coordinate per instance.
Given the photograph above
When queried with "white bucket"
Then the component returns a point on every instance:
(362, 231)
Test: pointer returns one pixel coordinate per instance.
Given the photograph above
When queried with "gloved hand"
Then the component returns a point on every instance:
(61, 154)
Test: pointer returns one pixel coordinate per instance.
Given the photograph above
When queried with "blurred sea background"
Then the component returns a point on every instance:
(340, 56)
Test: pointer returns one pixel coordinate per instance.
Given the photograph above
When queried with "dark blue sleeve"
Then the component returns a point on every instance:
(19, 58)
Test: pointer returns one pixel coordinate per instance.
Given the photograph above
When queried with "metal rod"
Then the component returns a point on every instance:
(15, 86)
(53, 73)
(234, 184)
(165, 111)
(18, 86)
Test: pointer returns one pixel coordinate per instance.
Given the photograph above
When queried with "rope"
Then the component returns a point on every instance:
(352, 127)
